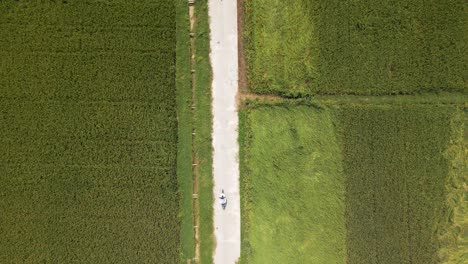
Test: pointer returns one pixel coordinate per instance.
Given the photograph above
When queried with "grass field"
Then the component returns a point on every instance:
(292, 187)
(377, 181)
(202, 124)
(303, 47)
(89, 132)
(196, 120)
(185, 126)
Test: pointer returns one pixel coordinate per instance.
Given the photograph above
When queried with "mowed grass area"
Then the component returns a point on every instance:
(202, 120)
(89, 132)
(344, 182)
(292, 187)
(304, 47)
(184, 139)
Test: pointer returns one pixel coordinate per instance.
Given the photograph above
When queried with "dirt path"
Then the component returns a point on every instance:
(224, 60)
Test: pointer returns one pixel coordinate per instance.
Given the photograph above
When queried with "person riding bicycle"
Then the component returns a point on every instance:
(222, 199)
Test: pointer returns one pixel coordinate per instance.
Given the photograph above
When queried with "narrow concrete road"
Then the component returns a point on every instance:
(223, 25)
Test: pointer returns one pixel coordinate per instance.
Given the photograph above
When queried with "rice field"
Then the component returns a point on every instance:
(305, 47)
(353, 182)
(89, 132)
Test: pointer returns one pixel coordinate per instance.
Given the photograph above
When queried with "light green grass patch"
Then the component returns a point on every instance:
(293, 190)
(289, 46)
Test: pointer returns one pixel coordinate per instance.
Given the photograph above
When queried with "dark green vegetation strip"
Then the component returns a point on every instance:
(292, 187)
(203, 127)
(337, 47)
(184, 144)
(88, 131)
(397, 168)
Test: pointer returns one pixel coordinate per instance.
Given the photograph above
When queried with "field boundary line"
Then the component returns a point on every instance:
(195, 200)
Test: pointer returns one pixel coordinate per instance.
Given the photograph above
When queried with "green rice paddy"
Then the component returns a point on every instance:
(89, 131)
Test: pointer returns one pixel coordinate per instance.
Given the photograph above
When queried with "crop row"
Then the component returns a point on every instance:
(88, 39)
(84, 152)
(87, 120)
(98, 76)
(157, 14)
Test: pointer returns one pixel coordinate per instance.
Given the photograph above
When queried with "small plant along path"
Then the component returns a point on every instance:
(224, 60)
